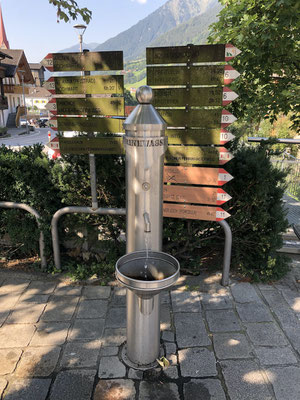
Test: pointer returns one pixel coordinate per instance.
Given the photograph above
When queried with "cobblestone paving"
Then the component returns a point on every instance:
(60, 342)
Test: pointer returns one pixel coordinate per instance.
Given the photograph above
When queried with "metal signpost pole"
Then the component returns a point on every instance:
(93, 177)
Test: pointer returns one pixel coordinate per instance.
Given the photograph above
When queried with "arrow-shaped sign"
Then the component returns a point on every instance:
(85, 61)
(227, 118)
(201, 118)
(197, 155)
(231, 52)
(191, 53)
(198, 136)
(91, 84)
(104, 125)
(204, 213)
(87, 106)
(230, 74)
(195, 75)
(228, 96)
(197, 195)
(196, 175)
(193, 97)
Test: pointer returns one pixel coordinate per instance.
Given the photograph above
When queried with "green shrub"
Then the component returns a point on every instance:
(257, 217)
(257, 220)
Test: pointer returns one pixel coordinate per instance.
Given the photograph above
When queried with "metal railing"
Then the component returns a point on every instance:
(292, 165)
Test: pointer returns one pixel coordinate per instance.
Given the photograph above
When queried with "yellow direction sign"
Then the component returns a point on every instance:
(198, 136)
(191, 53)
(204, 96)
(87, 106)
(85, 145)
(102, 125)
(85, 61)
(192, 118)
(91, 84)
(186, 155)
(183, 75)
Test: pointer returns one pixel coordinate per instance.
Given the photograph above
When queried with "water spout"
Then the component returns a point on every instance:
(147, 222)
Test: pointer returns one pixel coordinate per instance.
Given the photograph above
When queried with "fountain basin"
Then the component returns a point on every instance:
(161, 271)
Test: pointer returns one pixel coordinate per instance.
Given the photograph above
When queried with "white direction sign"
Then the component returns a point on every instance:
(226, 136)
(223, 177)
(227, 118)
(231, 52)
(230, 74)
(228, 96)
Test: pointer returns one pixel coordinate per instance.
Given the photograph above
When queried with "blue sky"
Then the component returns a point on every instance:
(31, 24)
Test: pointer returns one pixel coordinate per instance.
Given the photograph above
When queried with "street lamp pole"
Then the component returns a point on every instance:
(22, 72)
(81, 29)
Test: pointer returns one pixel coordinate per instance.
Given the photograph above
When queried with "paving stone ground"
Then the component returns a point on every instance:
(63, 342)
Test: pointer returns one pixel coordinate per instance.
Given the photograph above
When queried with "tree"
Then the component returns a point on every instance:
(267, 32)
(67, 9)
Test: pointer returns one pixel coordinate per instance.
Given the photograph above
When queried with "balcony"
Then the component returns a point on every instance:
(15, 89)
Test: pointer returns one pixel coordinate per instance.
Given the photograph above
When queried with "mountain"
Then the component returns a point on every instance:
(134, 40)
(195, 30)
(89, 46)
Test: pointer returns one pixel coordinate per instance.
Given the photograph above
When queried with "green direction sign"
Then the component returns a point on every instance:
(205, 96)
(195, 136)
(192, 118)
(182, 54)
(85, 145)
(92, 84)
(183, 75)
(103, 125)
(90, 106)
(85, 61)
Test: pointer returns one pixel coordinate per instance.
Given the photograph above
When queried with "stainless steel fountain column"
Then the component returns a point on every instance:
(145, 144)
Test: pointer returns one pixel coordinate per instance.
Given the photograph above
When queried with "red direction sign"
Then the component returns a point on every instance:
(227, 118)
(228, 96)
(230, 74)
(188, 211)
(196, 175)
(197, 195)
(231, 52)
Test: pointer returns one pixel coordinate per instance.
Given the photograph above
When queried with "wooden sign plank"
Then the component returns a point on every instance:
(196, 175)
(203, 118)
(197, 155)
(217, 75)
(91, 84)
(85, 145)
(85, 61)
(204, 213)
(87, 106)
(192, 194)
(204, 96)
(102, 125)
(191, 53)
(198, 136)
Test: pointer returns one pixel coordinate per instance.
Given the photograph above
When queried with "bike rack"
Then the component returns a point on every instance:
(26, 207)
(75, 210)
